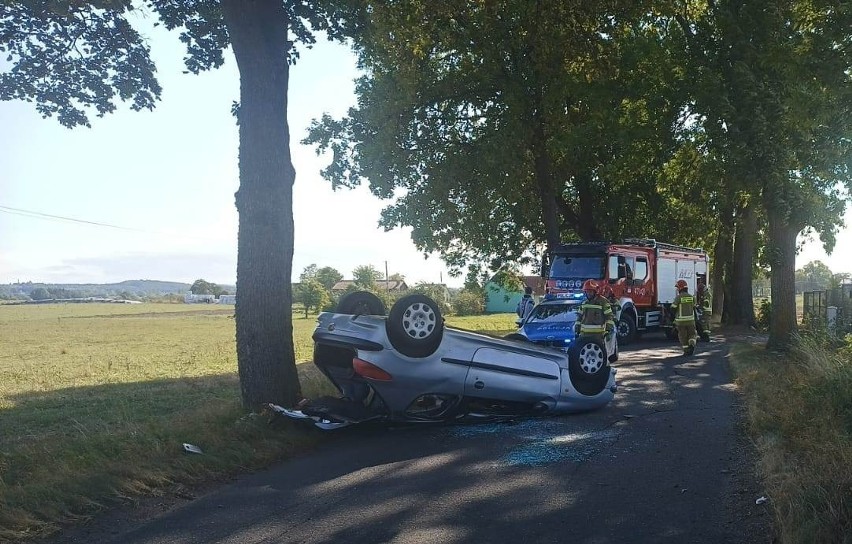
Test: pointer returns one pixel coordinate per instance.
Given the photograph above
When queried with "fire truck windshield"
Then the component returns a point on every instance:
(578, 266)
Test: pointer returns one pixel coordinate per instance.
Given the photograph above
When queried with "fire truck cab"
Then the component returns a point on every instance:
(637, 275)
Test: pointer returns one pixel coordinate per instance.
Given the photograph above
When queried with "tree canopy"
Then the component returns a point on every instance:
(495, 129)
(73, 58)
(203, 287)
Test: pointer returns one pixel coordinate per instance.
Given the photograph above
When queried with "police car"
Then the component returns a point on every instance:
(551, 323)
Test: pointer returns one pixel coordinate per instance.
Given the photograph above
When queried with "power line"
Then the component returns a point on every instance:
(59, 218)
(35, 214)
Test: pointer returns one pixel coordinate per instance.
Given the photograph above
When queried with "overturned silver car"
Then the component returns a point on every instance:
(408, 367)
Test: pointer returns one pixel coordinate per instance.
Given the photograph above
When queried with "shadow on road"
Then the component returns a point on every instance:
(663, 463)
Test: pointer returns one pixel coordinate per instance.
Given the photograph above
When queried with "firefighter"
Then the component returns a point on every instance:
(609, 294)
(704, 301)
(595, 313)
(526, 305)
(684, 308)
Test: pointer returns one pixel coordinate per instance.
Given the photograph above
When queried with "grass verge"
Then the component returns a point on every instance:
(97, 400)
(799, 410)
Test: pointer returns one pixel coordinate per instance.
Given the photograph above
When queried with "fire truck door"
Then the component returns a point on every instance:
(666, 278)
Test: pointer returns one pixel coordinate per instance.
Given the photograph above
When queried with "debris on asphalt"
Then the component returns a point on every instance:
(761, 500)
(191, 448)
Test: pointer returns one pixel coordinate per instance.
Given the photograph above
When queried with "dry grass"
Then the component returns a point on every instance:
(800, 415)
(97, 399)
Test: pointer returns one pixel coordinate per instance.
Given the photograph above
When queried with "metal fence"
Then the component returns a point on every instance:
(817, 304)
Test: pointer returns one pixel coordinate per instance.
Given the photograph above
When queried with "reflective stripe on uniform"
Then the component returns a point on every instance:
(685, 305)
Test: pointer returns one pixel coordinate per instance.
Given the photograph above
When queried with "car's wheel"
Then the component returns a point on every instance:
(626, 328)
(415, 326)
(360, 303)
(671, 332)
(516, 336)
(588, 365)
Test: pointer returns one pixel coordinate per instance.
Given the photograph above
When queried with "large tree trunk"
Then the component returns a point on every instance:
(264, 321)
(742, 299)
(723, 253)
(588, 200)
(782, 254)
(544, 179)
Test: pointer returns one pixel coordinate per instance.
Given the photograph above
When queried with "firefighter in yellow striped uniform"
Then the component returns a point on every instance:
(684, 309)
(595, 313)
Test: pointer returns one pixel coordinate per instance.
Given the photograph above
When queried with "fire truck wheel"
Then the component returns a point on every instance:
(626, 328)
(671, 333)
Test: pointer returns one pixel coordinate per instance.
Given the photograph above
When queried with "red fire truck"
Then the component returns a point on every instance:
(641, 274)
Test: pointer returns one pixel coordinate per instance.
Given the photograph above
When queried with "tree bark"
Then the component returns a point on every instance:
(586, 227)
(544, 180)
(782, 255)
(264, 321)
(742, 299)
(723, 254)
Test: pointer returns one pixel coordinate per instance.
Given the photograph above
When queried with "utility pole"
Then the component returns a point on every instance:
(387, 278)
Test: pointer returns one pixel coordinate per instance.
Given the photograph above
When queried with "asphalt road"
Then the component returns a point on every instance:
(665, 462)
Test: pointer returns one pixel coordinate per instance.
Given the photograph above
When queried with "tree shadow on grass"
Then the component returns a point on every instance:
(68, 452)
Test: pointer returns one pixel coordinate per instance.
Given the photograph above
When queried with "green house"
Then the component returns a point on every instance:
(498, 300)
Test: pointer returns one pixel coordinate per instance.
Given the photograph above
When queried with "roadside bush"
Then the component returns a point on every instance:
(469, 303)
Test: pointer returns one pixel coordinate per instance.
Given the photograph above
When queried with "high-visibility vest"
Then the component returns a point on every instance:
(684, 305)
(707, 302)
(594, 315)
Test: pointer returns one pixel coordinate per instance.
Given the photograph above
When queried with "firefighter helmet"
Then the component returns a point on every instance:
(591, 285)
(680, 285)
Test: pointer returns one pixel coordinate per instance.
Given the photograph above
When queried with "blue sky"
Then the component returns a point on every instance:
(168, 177)
(161, 186)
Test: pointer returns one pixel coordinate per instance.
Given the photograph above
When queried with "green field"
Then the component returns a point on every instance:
(97, 399)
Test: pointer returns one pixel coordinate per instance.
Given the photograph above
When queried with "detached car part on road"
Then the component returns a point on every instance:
(408, 367)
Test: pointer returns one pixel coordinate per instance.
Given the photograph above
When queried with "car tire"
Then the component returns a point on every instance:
(516, 336)
(626, 328)
(415, 326)
(671, 332)
(588, 365)
(360, 303)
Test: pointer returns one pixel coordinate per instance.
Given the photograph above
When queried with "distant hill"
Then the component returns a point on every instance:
(136, 288)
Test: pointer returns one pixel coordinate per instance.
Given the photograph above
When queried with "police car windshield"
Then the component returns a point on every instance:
(578, 266)
(554, 313)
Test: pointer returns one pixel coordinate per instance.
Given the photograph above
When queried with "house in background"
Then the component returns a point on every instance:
(381, 285)
(498, 300)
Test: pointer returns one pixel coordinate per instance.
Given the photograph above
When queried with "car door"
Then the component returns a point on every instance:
(514, 375)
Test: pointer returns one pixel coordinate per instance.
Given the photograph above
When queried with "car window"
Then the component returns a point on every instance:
(641, 269)
(553, 313)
